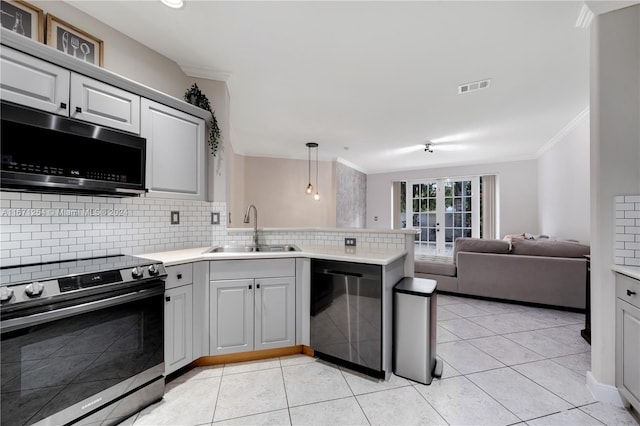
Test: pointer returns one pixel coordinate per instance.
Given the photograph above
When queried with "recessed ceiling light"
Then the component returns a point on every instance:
(175, 4)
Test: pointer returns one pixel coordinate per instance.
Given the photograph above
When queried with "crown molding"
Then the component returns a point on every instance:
(350, 164)
(562, 133)
(600, 7)
(202, 72)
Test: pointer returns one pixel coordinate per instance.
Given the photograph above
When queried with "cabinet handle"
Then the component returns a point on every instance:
(63, 105)
(257, 285)
(630, 293)
(78, 109)
(250, 286)
(167, 298)
(179, 276)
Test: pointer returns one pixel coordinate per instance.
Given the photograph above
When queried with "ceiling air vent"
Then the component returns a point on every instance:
(471, 87)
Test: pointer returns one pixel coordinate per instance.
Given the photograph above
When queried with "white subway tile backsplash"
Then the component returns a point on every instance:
(627, 229)
(58, 227)
(11, 195)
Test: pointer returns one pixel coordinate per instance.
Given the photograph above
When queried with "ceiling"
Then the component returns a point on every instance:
(372, 82)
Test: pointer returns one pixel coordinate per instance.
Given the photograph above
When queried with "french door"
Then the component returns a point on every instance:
(443, 210)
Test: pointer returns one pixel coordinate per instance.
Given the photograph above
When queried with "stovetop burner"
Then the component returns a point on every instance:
(10, 275)
(51, 281)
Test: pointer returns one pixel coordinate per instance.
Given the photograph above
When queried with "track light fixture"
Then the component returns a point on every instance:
(428, 147)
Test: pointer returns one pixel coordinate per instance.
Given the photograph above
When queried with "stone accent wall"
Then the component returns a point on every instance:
(351, 197)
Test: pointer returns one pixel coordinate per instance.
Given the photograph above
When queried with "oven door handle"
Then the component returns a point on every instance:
(42, 317)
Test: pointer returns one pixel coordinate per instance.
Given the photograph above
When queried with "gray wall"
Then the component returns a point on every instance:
(351, 197)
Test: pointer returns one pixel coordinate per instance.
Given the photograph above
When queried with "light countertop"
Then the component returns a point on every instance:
(630, 271)
(357, 255)
(340, 230)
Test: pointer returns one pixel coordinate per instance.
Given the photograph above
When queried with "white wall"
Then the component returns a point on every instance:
(218, 94)
(517, 187)
(563, 185)
(615, 168)
(122, 54)
(276, 187)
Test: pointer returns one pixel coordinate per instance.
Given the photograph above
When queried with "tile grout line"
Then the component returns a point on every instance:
(354, 396)
(430, 404)
(286, 395)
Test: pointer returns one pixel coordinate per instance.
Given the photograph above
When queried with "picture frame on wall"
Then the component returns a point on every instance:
(22, 18)
(73, 41)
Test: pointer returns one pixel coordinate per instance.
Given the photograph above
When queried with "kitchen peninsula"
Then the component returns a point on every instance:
(223, 307)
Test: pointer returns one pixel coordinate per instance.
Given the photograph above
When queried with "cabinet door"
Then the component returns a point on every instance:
(175, 152)
(275, 312)
(178, 331)
(105, 105)
(628, 350)
(34, 83)
(231, 316)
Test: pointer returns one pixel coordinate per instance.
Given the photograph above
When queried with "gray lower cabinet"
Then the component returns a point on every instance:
(252, 306)
(231, 316)
(178, 318)
(628, 338)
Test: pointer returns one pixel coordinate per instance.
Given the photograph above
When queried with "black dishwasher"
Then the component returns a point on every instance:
(346, 314)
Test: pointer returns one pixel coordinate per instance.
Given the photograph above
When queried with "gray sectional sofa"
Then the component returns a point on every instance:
(533, 271)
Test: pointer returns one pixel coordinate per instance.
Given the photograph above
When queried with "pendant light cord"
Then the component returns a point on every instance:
(309, 158)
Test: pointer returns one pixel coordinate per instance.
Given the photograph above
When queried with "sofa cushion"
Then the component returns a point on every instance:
(549, 248)
(478, 245)
(436, 268)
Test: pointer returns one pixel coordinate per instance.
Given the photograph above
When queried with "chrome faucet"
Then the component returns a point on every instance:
(255, 222)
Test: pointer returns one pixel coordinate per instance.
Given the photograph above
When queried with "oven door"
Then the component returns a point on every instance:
(66, 361)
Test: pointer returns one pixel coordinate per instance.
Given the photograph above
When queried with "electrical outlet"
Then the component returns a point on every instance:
(215, 218)
(350, 242)
(175, 217)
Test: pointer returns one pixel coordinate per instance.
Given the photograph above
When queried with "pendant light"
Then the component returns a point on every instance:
(317, 196)
(309, 188)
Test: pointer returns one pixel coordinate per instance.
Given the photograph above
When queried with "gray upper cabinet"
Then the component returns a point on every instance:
(104, 105)
(39, 84)
(175, 152)
(34, 83)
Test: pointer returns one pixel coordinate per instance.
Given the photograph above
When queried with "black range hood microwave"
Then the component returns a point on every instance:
(45, 152)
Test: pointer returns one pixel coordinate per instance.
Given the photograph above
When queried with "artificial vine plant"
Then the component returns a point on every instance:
(195, 97)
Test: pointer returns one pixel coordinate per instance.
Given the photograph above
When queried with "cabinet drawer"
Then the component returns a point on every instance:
(262, 268)
(179, 275)
(628, 289)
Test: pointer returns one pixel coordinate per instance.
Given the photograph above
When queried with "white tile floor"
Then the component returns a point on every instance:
(504, 364)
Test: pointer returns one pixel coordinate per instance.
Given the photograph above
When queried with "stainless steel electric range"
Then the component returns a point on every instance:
(82, 340)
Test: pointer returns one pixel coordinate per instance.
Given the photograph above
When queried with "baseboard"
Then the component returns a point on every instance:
(604, 393)
(247, 356)
(513, 302)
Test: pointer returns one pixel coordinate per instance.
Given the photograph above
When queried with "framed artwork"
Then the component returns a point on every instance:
(22, 18)
(73, 41)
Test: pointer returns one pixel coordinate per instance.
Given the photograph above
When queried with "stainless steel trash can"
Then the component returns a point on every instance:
(414, 330)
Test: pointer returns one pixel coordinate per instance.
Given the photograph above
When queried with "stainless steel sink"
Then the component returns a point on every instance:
(272, 248)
